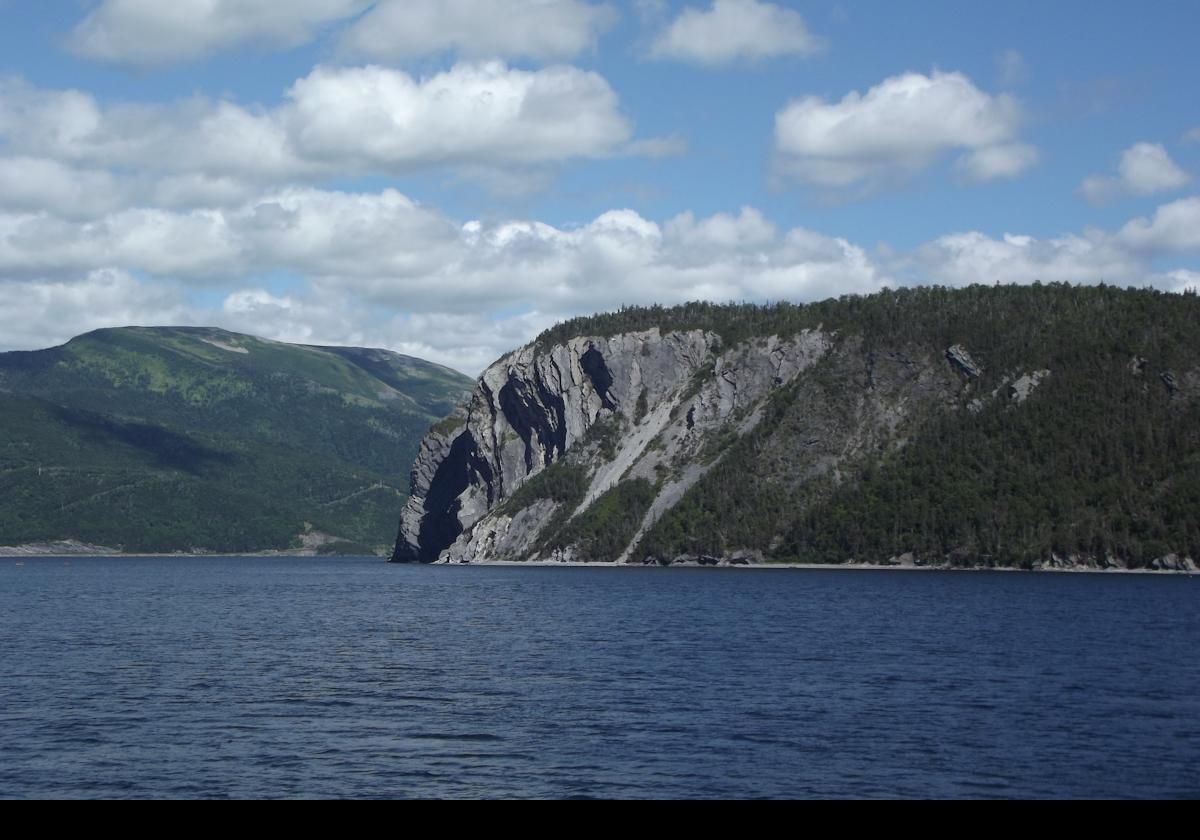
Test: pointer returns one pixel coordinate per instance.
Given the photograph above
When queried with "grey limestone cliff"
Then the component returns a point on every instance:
(1031, 428)
(527, 410)
(671, 405)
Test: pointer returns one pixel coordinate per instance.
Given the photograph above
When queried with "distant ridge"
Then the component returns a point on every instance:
(160, 439)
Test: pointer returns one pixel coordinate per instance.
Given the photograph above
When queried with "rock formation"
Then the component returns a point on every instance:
(677, 445)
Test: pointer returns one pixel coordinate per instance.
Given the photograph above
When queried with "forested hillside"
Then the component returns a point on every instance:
(1011, 426)
(181, 439)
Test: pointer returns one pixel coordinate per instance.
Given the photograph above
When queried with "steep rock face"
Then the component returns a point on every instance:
(668, 436)
(527, 410)
(671, 404)
(985, 427)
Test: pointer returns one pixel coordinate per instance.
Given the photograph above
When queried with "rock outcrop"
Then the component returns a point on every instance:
(527, 410)
(671, 401)
(987, 427)
(961, 359)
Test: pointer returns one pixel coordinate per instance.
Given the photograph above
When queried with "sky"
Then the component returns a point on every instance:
(446, 178)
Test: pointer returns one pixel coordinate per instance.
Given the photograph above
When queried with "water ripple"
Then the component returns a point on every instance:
(235, 678)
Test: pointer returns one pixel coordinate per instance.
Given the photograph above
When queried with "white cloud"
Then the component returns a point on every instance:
(335, 122)
(33, 183)
(383, 270)
(487, 113)
(1192, 136)
(152, 33)
(962, 259)
(897, 128)
(1145, 169)
(196, 244)
(539, 29)
(995, 162)
(148, 33)
(465, 341)
(43, 313)
(1181, 280)
(195, 136)
(390, 249)
(368, 258)
(1174, 228)
(735, 30)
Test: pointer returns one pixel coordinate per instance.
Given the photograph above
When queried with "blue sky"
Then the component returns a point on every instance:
(445, 178)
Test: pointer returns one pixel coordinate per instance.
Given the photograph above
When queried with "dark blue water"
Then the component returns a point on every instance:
(350, 678)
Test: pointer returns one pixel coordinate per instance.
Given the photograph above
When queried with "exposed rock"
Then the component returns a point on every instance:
(1020, 390)
(1077, 562)
(1137, 365)
(679, 399)
(501, 537)
(535, 405)
(961, 359)
(1168, 379)
(792, 422)
(527, 410)
(906, 559)
(55, 549)
(1174, 563)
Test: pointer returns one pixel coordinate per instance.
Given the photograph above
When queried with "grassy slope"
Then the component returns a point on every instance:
(158, 439)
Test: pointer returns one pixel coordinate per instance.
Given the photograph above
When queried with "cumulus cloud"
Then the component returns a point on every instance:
(1181, 280)
(196, 244)
(1144, 169)
(897, 128)
(380, 269)
(386, 247)
(43, 313)
(539, 29)
(963, 259)
(334, 122)
(148, 33)
(1174, 228)
(465, 341)
(473, 113)
(735, 30)
(33, 183)
(195, 136)
(364, 256)
(152, 33)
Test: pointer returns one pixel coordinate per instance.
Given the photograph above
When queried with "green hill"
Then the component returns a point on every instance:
(180, 439)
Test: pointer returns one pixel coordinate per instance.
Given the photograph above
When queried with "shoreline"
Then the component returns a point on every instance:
(857, 567)
(39, 552)
(69, 549)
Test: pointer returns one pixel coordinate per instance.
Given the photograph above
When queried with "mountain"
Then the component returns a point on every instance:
(154, 439)
(1032, 427)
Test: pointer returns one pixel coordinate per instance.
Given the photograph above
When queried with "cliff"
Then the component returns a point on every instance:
(828, 433)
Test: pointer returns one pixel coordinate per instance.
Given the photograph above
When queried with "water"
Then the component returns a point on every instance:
(228, 677)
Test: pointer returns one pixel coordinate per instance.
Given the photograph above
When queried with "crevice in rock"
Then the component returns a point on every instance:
(527, 410)
(461, 468)
(597, 371)
(490, 398)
